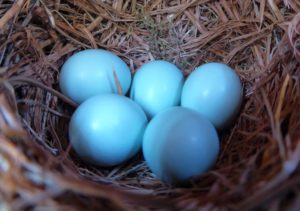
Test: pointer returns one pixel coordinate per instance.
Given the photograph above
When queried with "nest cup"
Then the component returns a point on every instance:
(258, 164)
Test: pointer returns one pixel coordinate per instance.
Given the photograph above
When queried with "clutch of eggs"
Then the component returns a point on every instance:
(179, 142)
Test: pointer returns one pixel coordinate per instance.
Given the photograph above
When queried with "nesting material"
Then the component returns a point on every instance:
(260, 154)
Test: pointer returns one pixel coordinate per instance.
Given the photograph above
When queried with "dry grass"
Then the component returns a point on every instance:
(258, 167)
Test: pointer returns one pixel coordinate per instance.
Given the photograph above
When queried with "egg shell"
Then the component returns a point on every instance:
(107, 129)
(156, 86)
(90, 72)
(215, 91)
(179, 143)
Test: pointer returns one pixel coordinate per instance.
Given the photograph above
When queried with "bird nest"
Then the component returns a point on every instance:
(258, 164)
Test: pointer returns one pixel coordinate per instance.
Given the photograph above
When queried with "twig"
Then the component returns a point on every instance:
(11, 12)
(38, 84)
(118, 84)
(46, 108)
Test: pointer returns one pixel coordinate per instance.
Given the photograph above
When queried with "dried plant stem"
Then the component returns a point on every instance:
(40, 85)
(117, 82)
(11, 12)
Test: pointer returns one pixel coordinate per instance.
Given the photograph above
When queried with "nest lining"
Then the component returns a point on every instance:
(258, 163)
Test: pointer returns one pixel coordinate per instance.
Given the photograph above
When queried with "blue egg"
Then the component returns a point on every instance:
(156, 86)
(90, 72)
(180, 143)
(107, 129)
(215, 91)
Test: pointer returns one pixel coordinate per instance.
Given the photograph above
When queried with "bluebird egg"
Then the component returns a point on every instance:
(107, 129)
(91, 72)
(156, 86)
(215, 91)
(180, 143)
